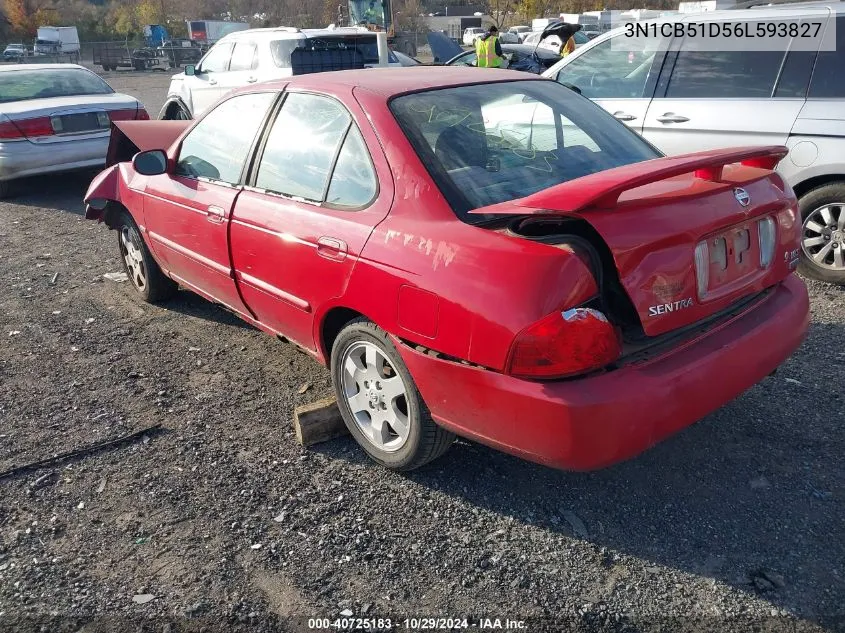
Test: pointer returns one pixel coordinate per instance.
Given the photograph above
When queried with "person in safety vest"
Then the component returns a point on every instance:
(488, 50)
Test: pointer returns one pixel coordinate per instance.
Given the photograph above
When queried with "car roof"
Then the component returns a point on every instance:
(293, 33)
(41, 67)
(758, 10)
(835, 6)
(527, 49)
(389, 82)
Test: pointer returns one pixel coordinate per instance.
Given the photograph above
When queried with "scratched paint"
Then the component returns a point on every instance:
(443, 253)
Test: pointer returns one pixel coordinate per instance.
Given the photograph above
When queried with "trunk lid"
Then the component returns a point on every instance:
(81, 116)
(686, 233)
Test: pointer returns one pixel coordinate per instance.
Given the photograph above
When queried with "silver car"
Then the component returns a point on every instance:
(685, 100)
(56, 117)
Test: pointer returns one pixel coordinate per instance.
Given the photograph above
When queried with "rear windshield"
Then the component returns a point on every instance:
(20, 85)
(493, 143)
(323, 48)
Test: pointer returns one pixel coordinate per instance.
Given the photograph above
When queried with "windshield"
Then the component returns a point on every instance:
(20, 85)
(371, 13)
(493, 143)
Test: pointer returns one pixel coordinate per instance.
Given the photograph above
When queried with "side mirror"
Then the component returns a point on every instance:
(150, 163)
(190, 70)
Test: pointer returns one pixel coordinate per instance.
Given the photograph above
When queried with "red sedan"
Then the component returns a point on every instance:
(480, 254)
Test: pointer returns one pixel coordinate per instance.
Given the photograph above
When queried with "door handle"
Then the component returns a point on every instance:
(216, 215)
(624, 116)
(332, 248)
(671, 117)
(251, 80)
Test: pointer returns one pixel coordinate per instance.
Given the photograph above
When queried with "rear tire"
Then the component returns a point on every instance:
(175, 112)
(379, 401)
(144, 273)
(823, 233)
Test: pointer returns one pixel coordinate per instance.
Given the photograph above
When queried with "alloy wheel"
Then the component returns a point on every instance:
(823, 237)
(133, 257)
(376, 395)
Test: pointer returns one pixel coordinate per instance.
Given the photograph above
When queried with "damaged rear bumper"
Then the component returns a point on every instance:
(593, 422)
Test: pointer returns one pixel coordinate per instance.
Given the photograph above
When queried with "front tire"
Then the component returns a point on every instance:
(138, 263)
(823, 233)
(176, 112)
(379, 401)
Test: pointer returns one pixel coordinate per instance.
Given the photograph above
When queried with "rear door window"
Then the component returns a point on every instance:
(302, 146)
(828, 80)
(708, 74)
(353, 183)
(243, 57)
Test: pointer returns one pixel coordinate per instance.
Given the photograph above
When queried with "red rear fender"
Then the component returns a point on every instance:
(104, 188)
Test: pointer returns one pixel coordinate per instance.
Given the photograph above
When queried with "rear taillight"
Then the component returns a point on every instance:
(142, 115)
(564, 344)
(25, 128)
(8, 131)
(766, 239)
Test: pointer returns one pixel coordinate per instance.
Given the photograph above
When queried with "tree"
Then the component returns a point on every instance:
(122, 20)
(500, 11)
(18, 16)
(149, 12)
(408, 17)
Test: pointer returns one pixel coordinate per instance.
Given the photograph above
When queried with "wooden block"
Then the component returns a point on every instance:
(318, 422)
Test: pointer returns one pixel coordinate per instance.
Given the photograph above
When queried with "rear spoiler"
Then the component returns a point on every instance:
(603, 189)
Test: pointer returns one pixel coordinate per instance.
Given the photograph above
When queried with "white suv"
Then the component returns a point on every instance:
(471, 34)
(247, 57)
(685, 100)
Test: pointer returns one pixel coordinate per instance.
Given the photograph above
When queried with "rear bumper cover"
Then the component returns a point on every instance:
(19, 159)
(596, 421)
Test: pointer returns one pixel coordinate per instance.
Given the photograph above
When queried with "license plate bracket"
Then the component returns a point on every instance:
(77, 123)
(734, 256)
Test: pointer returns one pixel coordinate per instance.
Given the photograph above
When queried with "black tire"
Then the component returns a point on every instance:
(815, 199)
(157, 286)
(175, 112)
(5, 189)
(426, 441)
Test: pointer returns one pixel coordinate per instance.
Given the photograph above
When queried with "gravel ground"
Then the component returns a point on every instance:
(219, 520)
